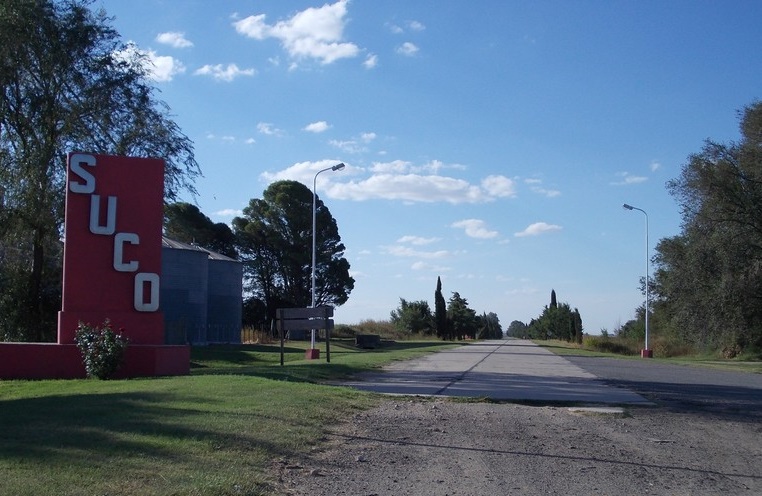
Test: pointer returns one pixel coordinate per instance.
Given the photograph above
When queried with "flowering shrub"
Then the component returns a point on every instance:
(102, 349)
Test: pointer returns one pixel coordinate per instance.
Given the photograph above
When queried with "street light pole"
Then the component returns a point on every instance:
(336, 167)
(646, 352)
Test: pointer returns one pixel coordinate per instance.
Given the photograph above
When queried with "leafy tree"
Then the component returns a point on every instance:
(708, 279)
(489, 326)
(274, 240)
(414, 317)
(440, 313)
(462, 319)
(557, 322)
(517, 329)
(185, 222)
(68, 83)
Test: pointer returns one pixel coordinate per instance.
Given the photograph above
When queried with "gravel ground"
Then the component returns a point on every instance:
(442, 447)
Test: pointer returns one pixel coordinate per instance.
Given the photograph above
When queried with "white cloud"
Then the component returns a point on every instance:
(628, 179)
(304, 172)
(416, 26)
(537, 228)
(395, 166)
(655, 166)
(174, 39)
(417, 240)
(228, 213)
(408, 49)
(411, 26)
(220, 73)
(371, 61)
(368, 137)
(160, 68)
(423, 266)
(165, 68)
(268, 129)
(348, 146)
(475, 228)
(394, 181)
(499, 186)
(406, 251)
(317, 127)
(535, 185)
(410, 188)
(250, 141)
(315, 32)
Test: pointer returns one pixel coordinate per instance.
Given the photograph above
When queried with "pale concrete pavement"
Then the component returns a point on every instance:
(511, 369)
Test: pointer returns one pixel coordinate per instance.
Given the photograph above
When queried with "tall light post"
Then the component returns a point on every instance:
(646, 352)
(336, 167)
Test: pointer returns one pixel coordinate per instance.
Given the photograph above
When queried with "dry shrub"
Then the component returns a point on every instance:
(252, 335)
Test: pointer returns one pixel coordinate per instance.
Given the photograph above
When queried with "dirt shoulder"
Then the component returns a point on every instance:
(442, 447)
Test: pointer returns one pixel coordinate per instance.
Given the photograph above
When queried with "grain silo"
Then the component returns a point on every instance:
(201, 295)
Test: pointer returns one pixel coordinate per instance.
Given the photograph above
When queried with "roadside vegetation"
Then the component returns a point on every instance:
(625, 348)
(215, 432)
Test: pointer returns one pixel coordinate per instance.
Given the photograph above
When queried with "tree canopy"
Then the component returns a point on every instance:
(708, 278)
(185, 222)
(274, 238)
(414, 317)
(557, 321)
(68, 84)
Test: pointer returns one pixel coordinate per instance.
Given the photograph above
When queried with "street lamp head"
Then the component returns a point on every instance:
(338, 167)
(628, 207)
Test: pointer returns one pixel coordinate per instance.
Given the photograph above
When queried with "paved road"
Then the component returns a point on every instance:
(680, 386)
(516, 370)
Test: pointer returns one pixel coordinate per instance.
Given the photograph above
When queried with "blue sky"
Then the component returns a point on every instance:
(491, 142)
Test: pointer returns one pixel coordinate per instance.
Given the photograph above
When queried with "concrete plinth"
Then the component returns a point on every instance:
(312, 354)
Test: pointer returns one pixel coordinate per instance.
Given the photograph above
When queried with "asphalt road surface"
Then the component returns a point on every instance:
(680, 387)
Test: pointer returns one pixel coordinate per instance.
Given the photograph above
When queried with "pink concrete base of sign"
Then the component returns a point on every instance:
(312, 354)
(646, 353)
(64, 361)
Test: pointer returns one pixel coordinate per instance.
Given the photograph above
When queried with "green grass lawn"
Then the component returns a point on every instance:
(214, 432)
(706, 360)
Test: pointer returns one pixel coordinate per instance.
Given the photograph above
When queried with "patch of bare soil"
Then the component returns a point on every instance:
(442, 447)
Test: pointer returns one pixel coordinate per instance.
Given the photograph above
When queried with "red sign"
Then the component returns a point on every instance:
(112, 248)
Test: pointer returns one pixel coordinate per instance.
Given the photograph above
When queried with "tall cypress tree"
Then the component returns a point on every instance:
(440, 312)
(553, 302)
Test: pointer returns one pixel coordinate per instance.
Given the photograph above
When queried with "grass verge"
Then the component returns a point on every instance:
(214, 432)
(696, 360)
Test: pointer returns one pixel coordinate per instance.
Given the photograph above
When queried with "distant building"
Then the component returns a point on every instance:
(201, 295)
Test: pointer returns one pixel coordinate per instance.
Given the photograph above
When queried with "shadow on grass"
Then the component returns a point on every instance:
(84, 431)
(264, 360)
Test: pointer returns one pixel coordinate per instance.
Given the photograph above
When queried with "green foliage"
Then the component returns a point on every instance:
(274, 240)
(489, 326)
(413, 317)
(462, 319)
(102, 349)
(708, 279)
(557, 321)
(186, 223)
(606, 344)
(67, 82)
(517, 329)
(440, 312)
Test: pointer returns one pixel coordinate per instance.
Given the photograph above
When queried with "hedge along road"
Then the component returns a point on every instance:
(513, 370)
